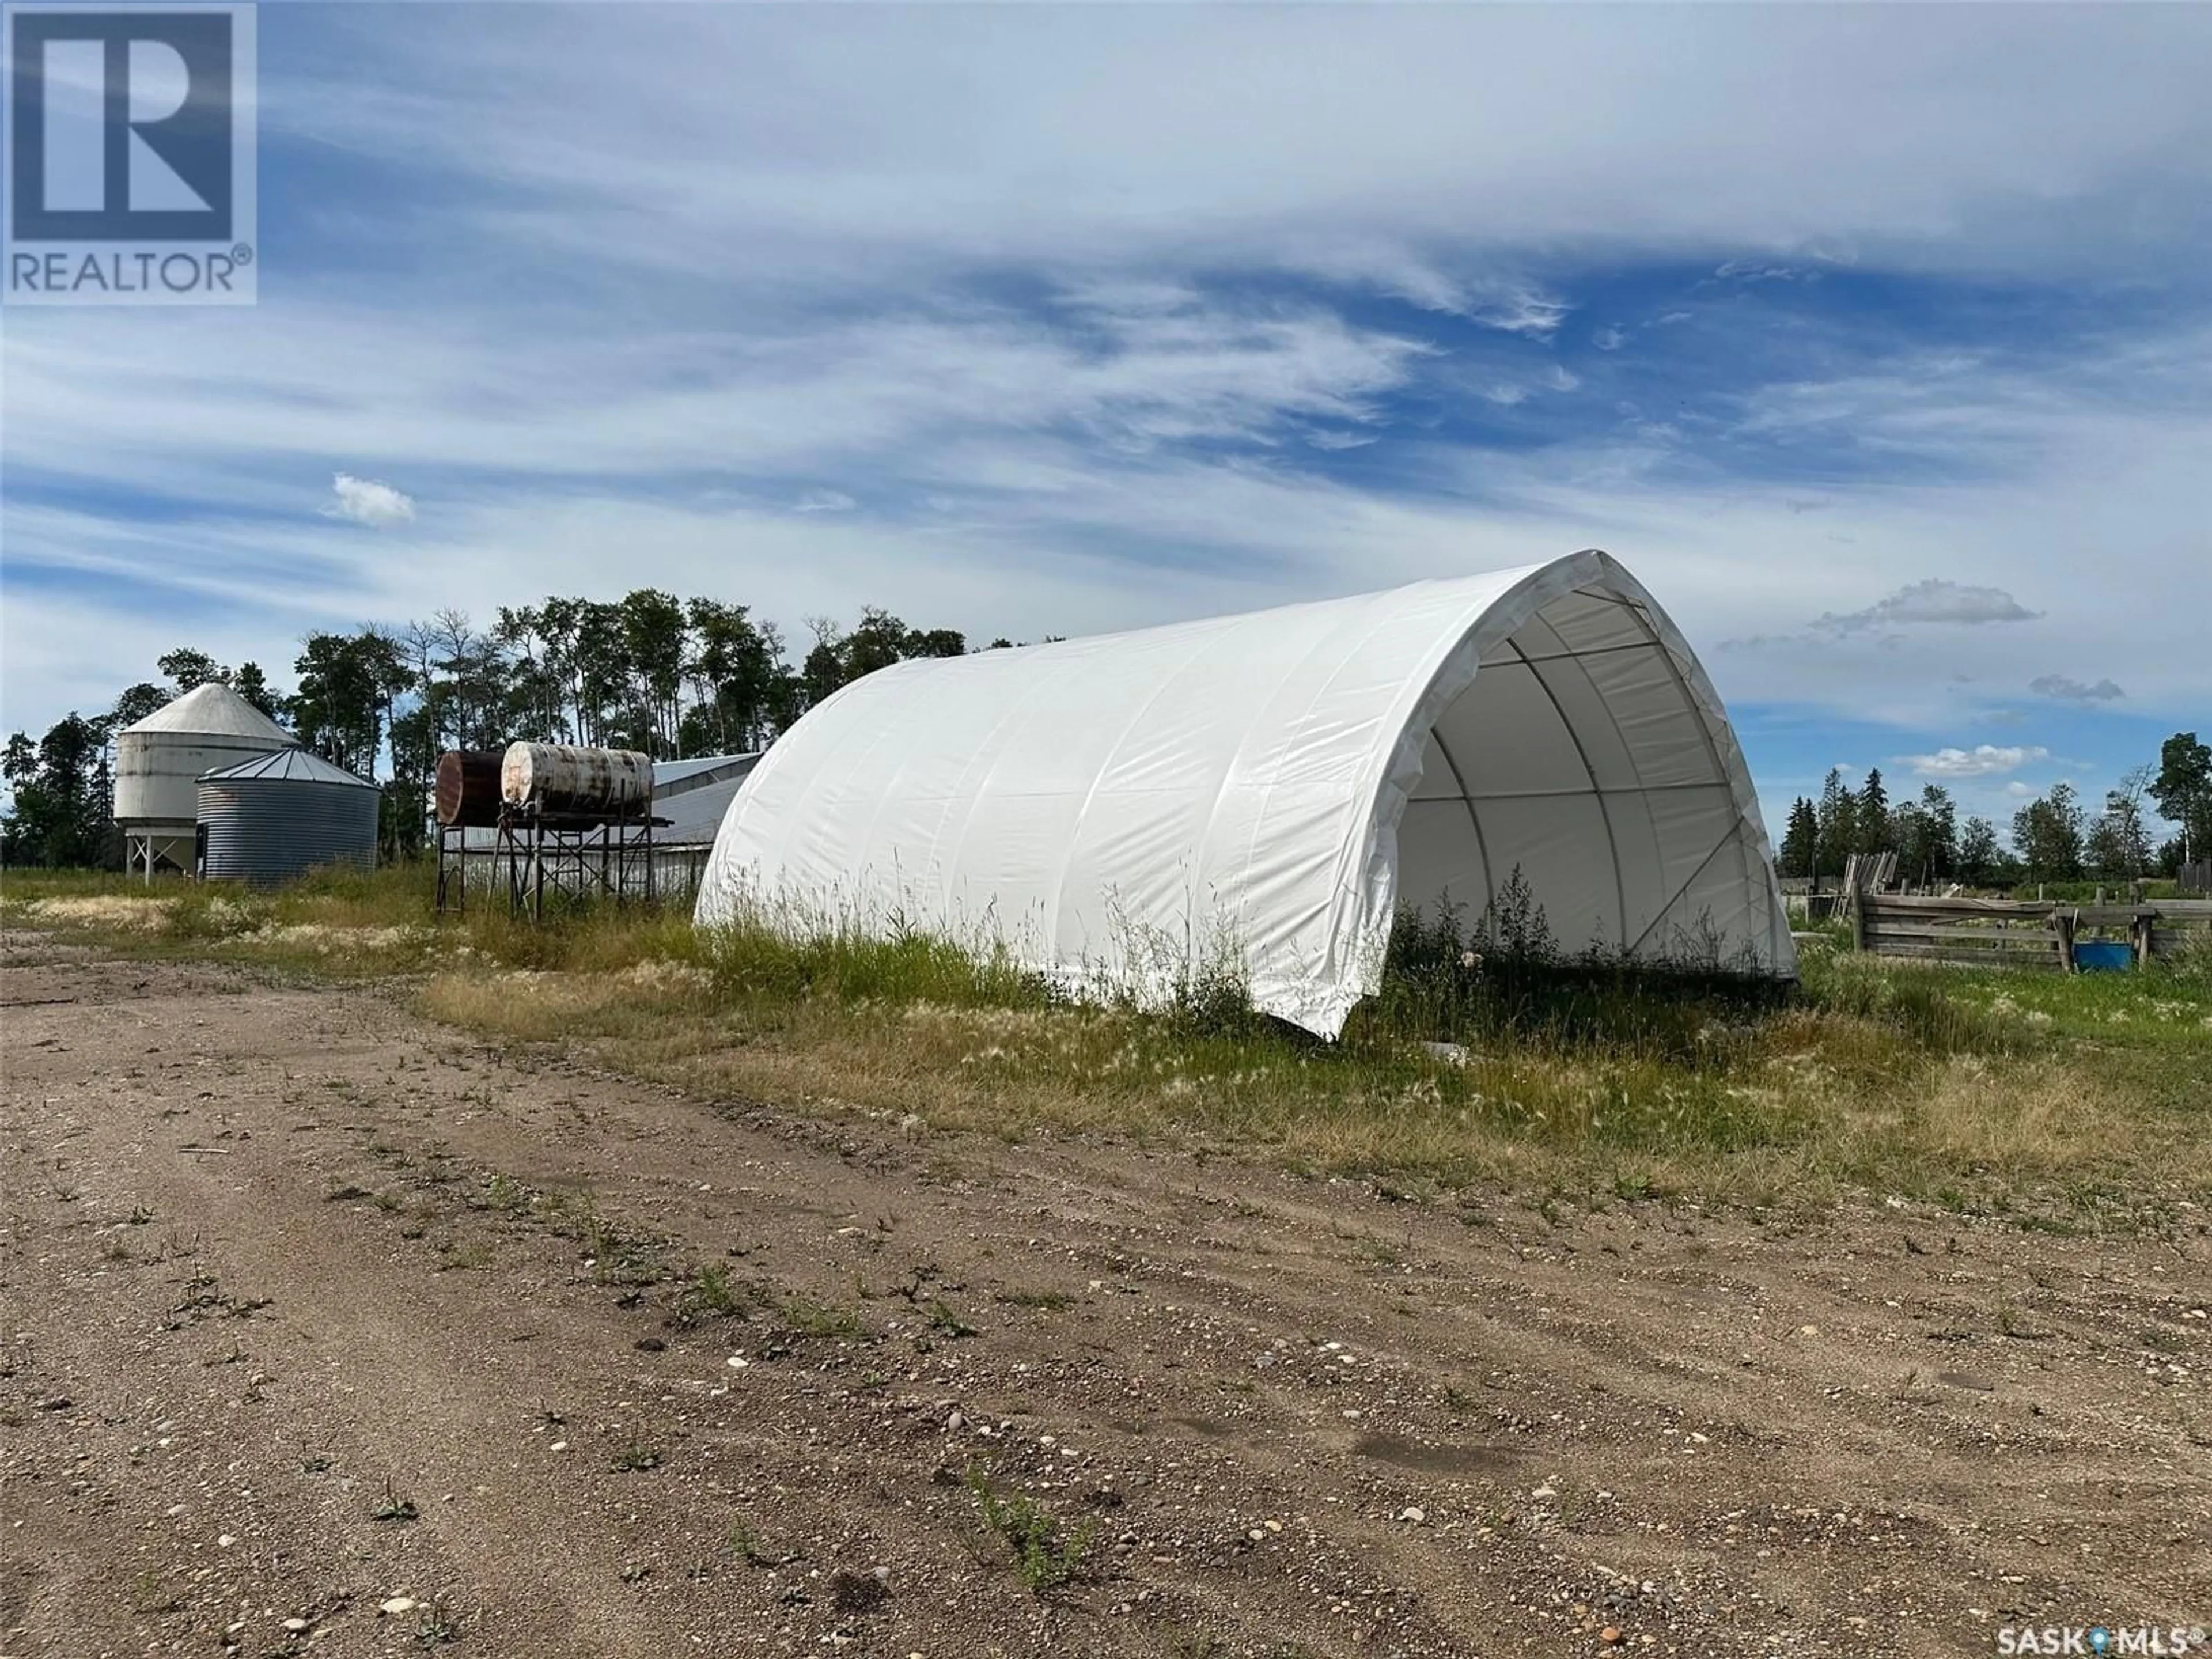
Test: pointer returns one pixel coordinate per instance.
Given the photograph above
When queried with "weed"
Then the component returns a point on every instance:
(634, 1459)
(745, 1544)
(804, 1318)
(712, 1294)
(394, 1507)
(942, 1318)
(1046, 1553)
(436, 1626)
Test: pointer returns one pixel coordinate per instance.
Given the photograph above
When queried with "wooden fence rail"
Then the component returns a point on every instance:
(2011, 933)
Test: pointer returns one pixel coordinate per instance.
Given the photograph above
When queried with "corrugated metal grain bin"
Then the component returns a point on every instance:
(283, 814)
(159, 762)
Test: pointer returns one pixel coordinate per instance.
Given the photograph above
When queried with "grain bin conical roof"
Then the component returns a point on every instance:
(214, 710)
(293, 765)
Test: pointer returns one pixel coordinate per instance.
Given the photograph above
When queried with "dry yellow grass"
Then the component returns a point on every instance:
(1837, 1107)
(2032, 1117)
(135, 915)
(1978, 1088)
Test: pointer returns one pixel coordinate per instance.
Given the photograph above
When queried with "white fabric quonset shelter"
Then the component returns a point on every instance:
(1122, 810)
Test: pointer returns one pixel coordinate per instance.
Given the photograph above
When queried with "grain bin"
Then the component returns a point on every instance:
(278, 816)
(560, 779)
(159, 761)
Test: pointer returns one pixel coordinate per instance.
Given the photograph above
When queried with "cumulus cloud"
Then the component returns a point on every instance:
(1986, 760)
(2067, 689)
(1932, 601)
(364, 501)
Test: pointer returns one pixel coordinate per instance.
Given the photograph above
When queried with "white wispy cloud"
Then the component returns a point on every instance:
(1012, 136)
(1985, 760)
(364, 501)
(785, 251)
(824, 501)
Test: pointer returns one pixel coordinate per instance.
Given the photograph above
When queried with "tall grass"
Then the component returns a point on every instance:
(1488, 1056)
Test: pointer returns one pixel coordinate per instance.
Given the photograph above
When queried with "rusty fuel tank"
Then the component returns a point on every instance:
(560, 780)
(468, 789)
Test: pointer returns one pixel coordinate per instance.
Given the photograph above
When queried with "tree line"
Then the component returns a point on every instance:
(671, 676)
(2053, 837)
(677, 678)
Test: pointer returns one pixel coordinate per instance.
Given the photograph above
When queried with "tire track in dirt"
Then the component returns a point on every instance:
(1299, 1417)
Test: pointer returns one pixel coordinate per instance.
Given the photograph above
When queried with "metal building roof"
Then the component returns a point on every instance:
(214, 710)
(695, 815)
(673, 777)
(293, 765)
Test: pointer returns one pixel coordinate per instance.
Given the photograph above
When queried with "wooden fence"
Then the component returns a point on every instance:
(2008, 933)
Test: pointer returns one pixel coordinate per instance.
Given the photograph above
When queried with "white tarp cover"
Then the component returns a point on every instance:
(1125, 810)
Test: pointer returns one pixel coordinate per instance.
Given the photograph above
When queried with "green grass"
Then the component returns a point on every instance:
(804, 1318)
(2080, 1098)
(1047, 1553)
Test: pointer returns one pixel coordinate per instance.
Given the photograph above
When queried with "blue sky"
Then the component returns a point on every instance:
(1876, 340)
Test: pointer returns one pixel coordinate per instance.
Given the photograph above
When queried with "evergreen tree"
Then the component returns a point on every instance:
(1800, 842)
(1870, 816)
(1837, 815)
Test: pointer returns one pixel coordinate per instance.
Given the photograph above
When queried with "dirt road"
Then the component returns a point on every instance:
(315, 1311)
